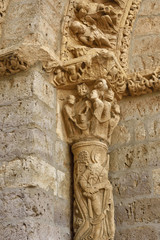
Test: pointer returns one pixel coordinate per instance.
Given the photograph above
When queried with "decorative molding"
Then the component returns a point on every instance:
(95, 64)
(125, 36)
(140, 84)
(11, 64)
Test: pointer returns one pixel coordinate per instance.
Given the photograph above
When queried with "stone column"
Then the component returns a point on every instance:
(90, 115)
(93, 199)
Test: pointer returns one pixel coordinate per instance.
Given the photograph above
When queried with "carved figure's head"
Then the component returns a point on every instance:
(94, 94)
(82, 89)
(71, 99)
(77, 27)
(101, 84)
(84, 156)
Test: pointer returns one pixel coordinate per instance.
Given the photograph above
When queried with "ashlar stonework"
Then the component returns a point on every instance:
(81, 76)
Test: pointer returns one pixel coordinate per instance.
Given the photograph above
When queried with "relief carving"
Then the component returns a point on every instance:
(3, 7)
(90, 115)
(93, 205)
(126, 35)
(92, 74)
(11, 64)
(140, 85)
(93, 112)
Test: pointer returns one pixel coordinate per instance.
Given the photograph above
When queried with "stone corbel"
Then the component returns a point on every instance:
(21, 57)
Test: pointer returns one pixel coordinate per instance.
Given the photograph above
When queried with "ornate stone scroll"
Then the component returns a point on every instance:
(93, 205)
(11, 64)
(140, 84)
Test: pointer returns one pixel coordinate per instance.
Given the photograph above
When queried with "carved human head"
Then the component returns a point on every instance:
(94, 94)
(77, 27)
(71, 99)
(101, 84)
(82, 89)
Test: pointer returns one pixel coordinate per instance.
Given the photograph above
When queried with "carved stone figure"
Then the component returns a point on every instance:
(92, 112)
(69, 116)
(101, 115)
(59, 77)
(94, 210)
(90, 36)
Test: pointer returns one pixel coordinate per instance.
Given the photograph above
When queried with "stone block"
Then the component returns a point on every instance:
(154, 127)
(16, 87)
(28, 172)
(149, 44)
(140, 107)
(140, 131)
(22, 141)
(63, 155)
(139, 233)
(20, 203)
(16, 143)
(135, 156)
(63, 185)
(23, 13)
(62, 212)
(27, 229)
(139, 211)
(144, 61)
(131, 184)
(44, 90)
(29, 111)
(150, 7)
(156, 181)
(147, 24)
(122, 134)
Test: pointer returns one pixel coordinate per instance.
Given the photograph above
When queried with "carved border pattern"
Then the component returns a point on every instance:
(126, 35)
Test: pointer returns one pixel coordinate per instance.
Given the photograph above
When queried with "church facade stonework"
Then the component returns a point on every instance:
(79, 122)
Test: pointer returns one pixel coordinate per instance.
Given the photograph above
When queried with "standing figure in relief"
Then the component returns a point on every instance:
(101, 115)
(98, 192)
(70, 116)
(83, 108)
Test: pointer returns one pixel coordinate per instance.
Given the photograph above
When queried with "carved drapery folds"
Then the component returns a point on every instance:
(93, 205)
(92, 112)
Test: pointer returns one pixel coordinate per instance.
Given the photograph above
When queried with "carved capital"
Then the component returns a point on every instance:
(91, 112)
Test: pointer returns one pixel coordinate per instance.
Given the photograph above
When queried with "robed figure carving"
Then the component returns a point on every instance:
(94, 199)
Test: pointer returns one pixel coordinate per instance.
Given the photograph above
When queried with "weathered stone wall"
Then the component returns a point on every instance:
(145, 42)
(134, 164)
(35, 165)
(135, 169)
